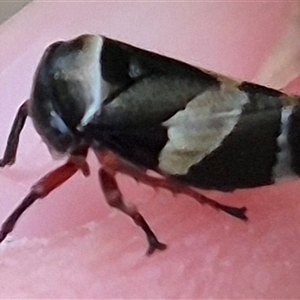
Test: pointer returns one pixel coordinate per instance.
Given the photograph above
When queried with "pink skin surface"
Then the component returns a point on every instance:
(210, 254)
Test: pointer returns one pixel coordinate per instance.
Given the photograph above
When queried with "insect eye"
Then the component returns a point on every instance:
(60, 75)
(56, 75)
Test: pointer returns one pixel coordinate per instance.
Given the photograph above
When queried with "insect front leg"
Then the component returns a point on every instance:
(42, 188)
(115, 199)
(13, 139)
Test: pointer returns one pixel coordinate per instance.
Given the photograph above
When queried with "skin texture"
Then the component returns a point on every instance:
(209, 254)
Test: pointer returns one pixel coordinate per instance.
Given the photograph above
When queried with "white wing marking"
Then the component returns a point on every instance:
(200, 128)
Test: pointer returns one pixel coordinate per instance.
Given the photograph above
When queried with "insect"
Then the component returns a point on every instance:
(140, 111)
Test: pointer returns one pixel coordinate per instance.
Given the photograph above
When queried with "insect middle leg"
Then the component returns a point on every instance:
(42, 188)
(115, 199)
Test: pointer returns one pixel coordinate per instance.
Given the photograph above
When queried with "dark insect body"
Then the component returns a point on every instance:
(141, 111)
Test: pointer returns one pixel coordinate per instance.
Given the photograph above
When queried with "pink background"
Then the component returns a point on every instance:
(210, 255)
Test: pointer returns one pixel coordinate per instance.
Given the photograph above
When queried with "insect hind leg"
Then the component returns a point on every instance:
(115, 199)
(113, 162)
(177, 188)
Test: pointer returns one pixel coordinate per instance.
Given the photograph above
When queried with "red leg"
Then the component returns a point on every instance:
(115, 199)
(13, 139)
(177, 188)
(41, 189)
(113, 162)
